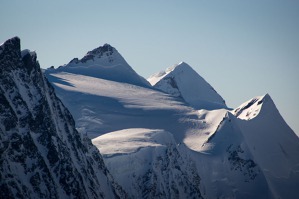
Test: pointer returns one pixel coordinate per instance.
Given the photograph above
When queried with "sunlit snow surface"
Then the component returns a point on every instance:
(131, 140)
(249, 152)
(100, 106)
(182, 81)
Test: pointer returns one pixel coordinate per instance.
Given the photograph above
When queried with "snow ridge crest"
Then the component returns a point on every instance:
(181, 80)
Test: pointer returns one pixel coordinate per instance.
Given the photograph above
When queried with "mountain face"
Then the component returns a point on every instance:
(103, 62)
(42, 154)
(152, 165)
(158, 146)
(182, 81)
(154, 144)
(272, 142)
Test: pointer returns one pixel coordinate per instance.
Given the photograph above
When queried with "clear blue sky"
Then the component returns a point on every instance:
(242, 48)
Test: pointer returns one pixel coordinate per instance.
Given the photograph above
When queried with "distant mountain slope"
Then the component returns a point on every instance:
(182, 81)
(273, 143)
(120, 111)
(103, 62)
(41, 153)
(228, 167)
(156, 145)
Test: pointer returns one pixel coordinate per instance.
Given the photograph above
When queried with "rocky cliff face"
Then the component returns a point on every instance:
(41, 153)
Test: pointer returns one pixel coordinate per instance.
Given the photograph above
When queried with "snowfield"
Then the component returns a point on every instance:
(131, 141)
(177, 138)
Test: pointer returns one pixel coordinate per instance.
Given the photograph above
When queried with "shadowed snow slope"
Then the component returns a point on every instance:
(272, 142)
(182, 81)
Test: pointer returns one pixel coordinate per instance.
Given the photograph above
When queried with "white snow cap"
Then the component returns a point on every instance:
(251, 108)
(103, 62)
(182, 81)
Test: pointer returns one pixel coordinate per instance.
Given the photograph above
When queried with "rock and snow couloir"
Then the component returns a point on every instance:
(41, 153)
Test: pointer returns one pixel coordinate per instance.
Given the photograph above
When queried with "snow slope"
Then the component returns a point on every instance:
(41, 153)
(272, 142)
(127, 117)
(104, 62)
(151, 164)
(100, 106)
(228, 167)
(154, 142)
(152, 159)
(182, 81)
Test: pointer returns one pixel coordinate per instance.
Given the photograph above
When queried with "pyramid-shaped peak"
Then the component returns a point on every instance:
(106, 48)
(179, 67)
(181, 80)
(183, 64)
(104, 62)
(104, 51)
(252, 108)
(263, 99)
(267, 97)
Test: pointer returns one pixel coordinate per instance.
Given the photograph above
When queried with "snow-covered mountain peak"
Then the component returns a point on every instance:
(252, 108)
(178, 67)
(104, 62)
(105, 55)
(181, 80)
(272, 142)
(153, 79)
(102, 49)
(182, 66)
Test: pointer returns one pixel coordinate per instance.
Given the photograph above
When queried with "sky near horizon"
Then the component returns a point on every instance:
(242, 48)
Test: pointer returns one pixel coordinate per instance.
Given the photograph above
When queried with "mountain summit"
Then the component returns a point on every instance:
(273, 143)
(103, 62)
(104, 55)
(182, 81)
